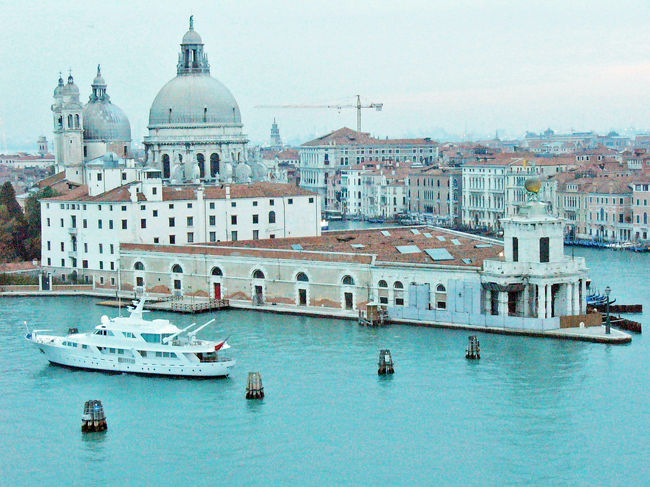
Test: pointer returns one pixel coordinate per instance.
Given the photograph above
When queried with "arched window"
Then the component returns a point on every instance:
(214, 165)
(69, 121)
(645, 218)
(398, 293)
(383, 291)
(398, 285)
(177, 269)
(383, 283)
(76, 121)
(200, 161)
(258, 274)
(302, 277)
(271, 216)
(216, 271)
(138, 266)
(348, 280)
(441, 297)
(166, 169)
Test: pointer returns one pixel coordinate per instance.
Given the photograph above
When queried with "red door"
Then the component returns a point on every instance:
(217, 290)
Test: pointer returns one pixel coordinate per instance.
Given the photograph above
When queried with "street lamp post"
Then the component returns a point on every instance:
(607, 323)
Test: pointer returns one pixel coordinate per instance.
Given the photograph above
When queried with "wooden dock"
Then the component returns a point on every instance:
(177, 305)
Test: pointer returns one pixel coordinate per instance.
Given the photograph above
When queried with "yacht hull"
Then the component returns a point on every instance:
(63, 356)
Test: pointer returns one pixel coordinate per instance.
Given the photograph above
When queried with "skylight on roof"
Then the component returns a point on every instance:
(385, 233)
(415, 231)
(296, 247)
(466, 261)
(408, 249)
(357, 246)
(482, 246)
(455, 241)
(427, 235)
(441, 238)
(439, 254)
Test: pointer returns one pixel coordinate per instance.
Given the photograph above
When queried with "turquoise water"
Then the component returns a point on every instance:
(530, 412)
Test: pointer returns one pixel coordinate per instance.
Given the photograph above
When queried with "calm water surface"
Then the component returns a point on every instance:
(532, 411)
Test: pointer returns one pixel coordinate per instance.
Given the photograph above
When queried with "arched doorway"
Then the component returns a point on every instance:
(214, 165)
(166, 169)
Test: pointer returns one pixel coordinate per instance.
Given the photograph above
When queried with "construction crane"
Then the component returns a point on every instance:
(377, 106)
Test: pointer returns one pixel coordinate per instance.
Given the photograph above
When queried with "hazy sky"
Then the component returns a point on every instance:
(452, 65)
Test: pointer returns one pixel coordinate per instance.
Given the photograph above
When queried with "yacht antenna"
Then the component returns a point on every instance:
(119, 286)
(194, 332)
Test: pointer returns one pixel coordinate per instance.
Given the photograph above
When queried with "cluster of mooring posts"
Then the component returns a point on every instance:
(473, 348)
(254, 387)
(93, 418)
(375, 315)
(386, 365)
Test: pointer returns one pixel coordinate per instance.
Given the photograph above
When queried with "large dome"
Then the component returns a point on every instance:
(194, 98)
(106, 122)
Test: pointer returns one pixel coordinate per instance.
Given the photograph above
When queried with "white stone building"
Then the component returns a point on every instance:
(82, 230)
(321, 157)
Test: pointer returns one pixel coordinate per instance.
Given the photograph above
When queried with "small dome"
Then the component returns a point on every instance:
(191, 37)
(70, 88)
(195, 98)
(103, 121)
(225, 171)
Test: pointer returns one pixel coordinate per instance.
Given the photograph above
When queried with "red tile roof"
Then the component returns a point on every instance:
(337, 247)
(347, 136)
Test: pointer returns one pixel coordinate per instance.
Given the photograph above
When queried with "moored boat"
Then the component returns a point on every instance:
(135, 345)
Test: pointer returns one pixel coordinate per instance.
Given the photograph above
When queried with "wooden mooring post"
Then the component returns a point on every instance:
(254, 388)
(386, 365)
(93, 418)
(473, 349)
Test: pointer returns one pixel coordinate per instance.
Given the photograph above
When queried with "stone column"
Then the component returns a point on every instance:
(526, 307)
(549, 300)
(576, 298)
(583, 299)
(487, 305)
(541, 301)
(503, 303)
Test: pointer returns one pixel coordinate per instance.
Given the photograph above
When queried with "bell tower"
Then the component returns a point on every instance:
(68, 129)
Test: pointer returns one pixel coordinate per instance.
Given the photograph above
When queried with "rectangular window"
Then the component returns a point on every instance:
(213, 236)
(101, 248)
(62, 262)
(112, 266)
(172, 239)
(155, 212)
(143, 223)
(255, 218)
(156, 240)
(48, 222)
(233, 235)
(212, 205)
(311, 200)
(515, 249)
(190, 237)
(84, 264)
(213, 220)
(271, 202)
(256, 234)
(290, 201)
(142, 207)
(85, 248)
(544, 249)
(123, 224)
(123, 208)
(101, 264)
(62, 246)
(110, 224)
(189, 205)
(112, 249)
(49, 261)
(99, 176)
(233, 219)
(233, 204)
(172, 222)
(171, 206)
(190, 221)
(254, 203)
(49, 246)
(84, 223)
(61, 221)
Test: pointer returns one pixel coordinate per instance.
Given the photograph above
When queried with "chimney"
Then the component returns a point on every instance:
(228, 192)
(200, 192)
(133, 191)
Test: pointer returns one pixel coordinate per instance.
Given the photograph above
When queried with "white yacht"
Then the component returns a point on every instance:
(133, 344)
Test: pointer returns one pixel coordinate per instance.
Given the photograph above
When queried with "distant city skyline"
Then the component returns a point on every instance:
(463, 69)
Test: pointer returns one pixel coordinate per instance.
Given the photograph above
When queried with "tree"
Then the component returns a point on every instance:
(8, 200)
(33, 218)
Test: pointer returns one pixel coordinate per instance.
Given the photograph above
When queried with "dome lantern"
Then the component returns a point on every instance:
(192, 59)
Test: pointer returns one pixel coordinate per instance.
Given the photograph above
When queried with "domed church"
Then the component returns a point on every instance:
(86, 132)
(195, 128)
